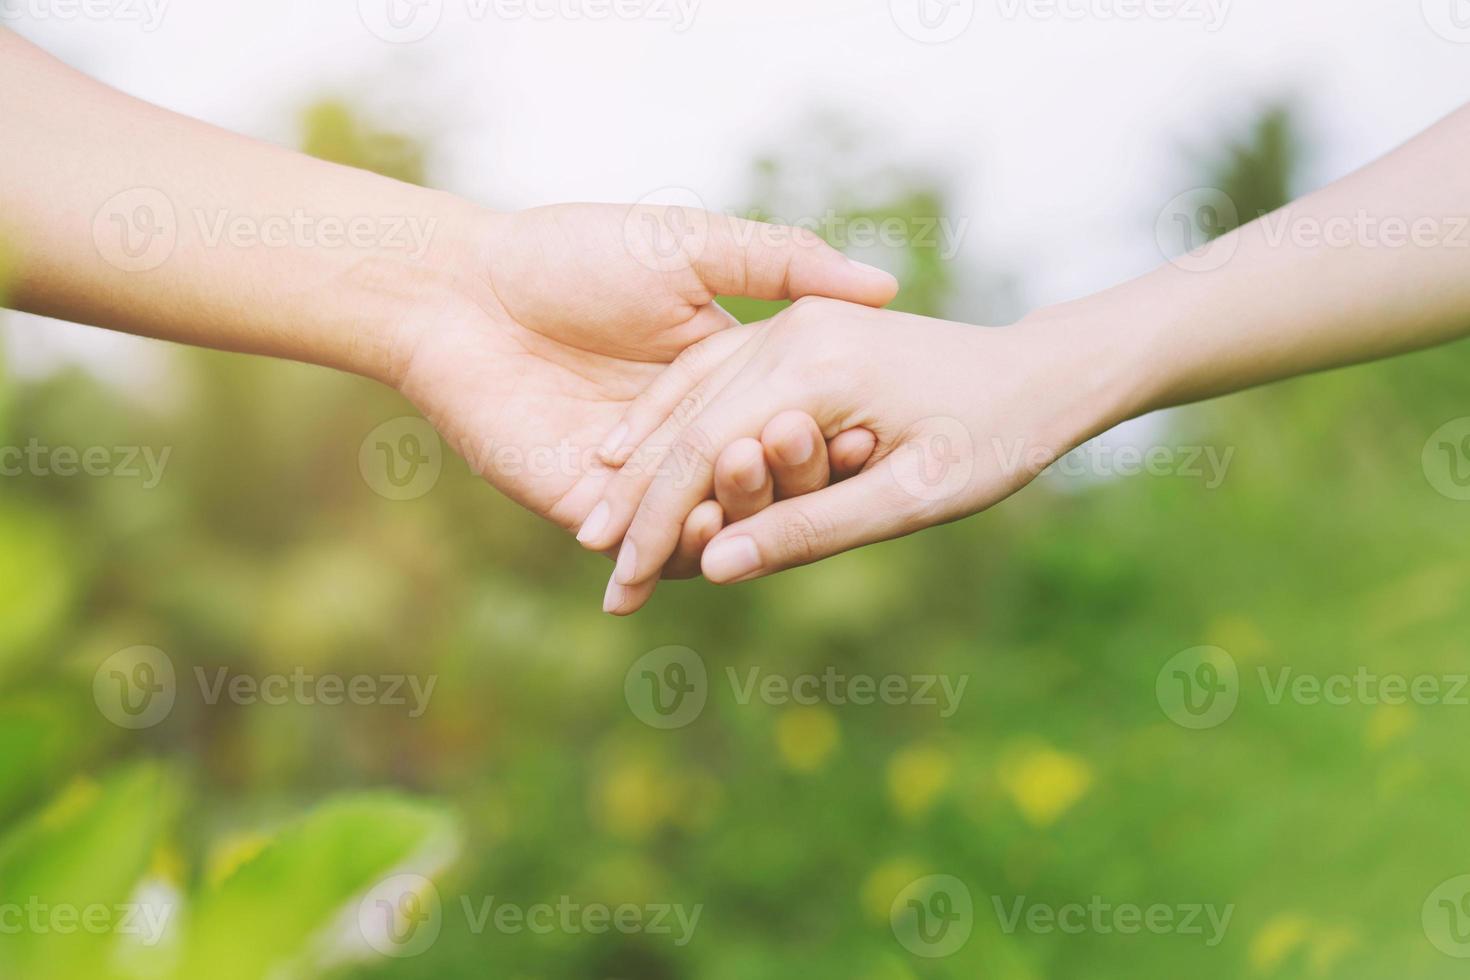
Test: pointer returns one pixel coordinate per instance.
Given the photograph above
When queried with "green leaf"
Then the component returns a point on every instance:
(36, 583)
(273, 916)
(85, 852)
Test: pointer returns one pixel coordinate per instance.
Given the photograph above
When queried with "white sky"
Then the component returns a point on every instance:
(1059, 133)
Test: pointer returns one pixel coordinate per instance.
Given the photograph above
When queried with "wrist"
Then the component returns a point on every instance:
(1103, 360)
(396, 296)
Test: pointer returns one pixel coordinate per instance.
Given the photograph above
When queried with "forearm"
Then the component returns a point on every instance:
(126, 216)
(1374, 265)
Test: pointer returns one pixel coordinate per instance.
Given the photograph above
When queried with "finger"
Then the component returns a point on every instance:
(624, 600)
(743, 484)
(797, 455)
(704, 523)
(766, 261)
(688, 476)
(662, 397)
(869, 507)
(850, 451)
(606, 525)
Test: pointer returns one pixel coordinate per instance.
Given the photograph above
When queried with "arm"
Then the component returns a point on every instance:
(965, 417)
(521, 336)
(127, 216)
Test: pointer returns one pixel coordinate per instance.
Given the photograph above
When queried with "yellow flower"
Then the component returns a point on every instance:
(1388, 723)
(1044, 782)
(806, 737)
(631, 800)
(916, 778)
(233, 853)
(1241, 636)
(1276, 940)
(1329, 946)
(883, 884)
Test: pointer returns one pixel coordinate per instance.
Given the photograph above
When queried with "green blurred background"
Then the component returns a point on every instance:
(1061, 777)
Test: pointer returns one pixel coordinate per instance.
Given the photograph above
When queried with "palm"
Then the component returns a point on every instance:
(525, 411)
(573, 311)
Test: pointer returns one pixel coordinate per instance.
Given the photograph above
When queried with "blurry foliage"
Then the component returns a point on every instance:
(1259, 170)
(333, 130)
(1058, 779)
(829, 179)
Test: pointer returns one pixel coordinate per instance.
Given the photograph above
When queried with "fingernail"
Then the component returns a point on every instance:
(798, 451)
(870, 269)
(751, 478)
(595, 523)
(725, 561)
(627, 566)
(612, 599)
(614, 442)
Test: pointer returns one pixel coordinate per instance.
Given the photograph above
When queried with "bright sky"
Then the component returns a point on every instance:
(1056, 122)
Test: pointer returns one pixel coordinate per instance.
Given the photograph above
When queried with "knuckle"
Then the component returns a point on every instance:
(800, 536)
(691, 457)
(807, 312)
(689, 408)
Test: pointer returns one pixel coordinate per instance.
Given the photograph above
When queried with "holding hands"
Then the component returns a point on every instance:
(961, 416)
(577, 358)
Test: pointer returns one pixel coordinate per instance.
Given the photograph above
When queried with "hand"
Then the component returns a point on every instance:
(560, 317)
(963, 417)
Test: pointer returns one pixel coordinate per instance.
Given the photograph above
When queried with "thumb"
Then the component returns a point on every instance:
(868, 508)
(766, 261)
